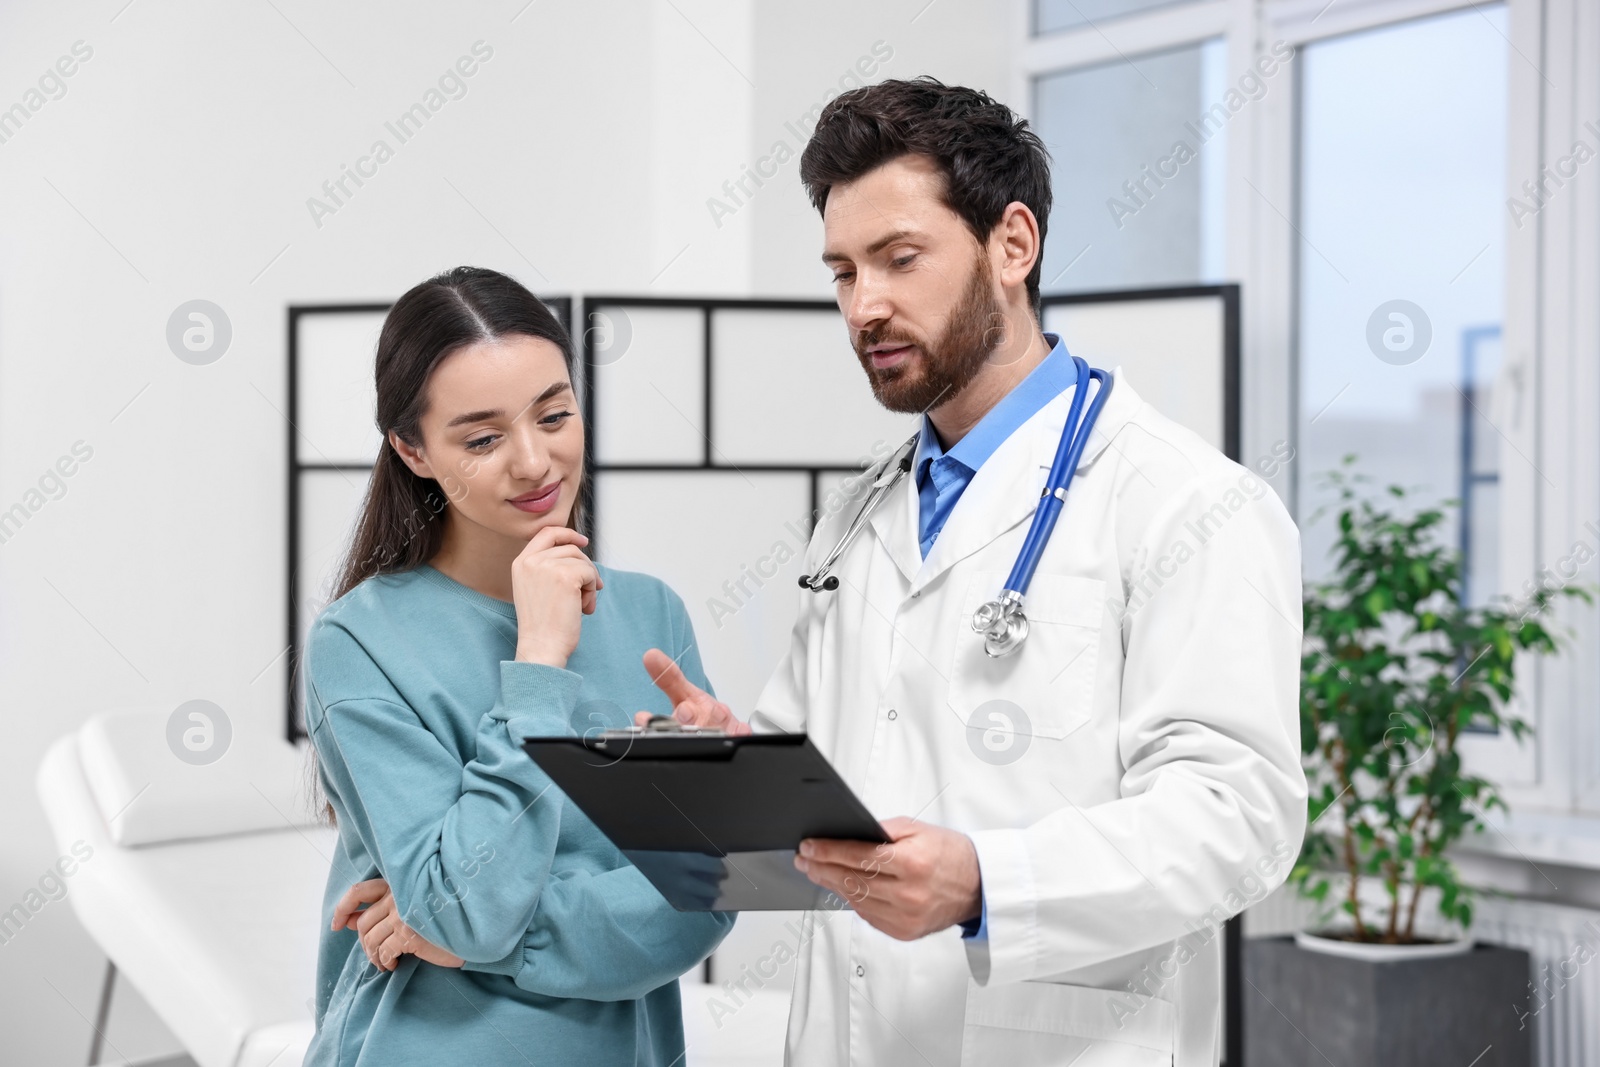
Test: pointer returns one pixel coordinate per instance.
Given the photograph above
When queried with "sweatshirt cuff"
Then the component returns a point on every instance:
(536, 699)
(509, 966)
(1010, 920)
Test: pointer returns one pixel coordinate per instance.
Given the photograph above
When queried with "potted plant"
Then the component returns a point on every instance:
(1396, 668)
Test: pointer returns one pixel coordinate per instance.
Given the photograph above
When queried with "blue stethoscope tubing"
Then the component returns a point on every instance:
(1001, 621)
(1073, 441)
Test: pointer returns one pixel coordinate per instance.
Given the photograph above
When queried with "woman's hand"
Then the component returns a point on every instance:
(384, 937)
(691, 705)
(553, 585)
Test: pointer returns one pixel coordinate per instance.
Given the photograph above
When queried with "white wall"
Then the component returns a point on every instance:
(807, 52)
(177, 165)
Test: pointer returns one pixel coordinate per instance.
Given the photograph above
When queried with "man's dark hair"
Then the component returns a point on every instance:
(988, 156)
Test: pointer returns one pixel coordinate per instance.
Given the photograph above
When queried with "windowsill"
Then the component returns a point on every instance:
(1563, 839)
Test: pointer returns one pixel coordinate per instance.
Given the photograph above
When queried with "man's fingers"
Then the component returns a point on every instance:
(670, 679)
(848, 882)
(854, 854)
(899, 826)
(369, 892)
(691, 705)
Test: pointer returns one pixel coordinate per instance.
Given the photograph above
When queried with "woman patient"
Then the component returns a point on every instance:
(474, 915)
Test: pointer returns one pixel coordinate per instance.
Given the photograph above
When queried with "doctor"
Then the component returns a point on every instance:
(1072, 821)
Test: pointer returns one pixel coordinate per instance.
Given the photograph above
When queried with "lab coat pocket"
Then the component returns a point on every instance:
(1046, 687)
(1045, 1022)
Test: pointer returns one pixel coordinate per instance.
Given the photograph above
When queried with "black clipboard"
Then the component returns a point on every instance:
(712, 821)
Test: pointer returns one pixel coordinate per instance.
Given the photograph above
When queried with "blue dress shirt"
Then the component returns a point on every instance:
(943, 476)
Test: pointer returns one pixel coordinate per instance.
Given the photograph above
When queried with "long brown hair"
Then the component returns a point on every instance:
(398, 529)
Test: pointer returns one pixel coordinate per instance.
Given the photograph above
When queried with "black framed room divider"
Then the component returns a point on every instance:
(718, 429)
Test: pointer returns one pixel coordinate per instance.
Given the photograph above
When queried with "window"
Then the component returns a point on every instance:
(1139, 150)
(1401, 268)
(1051, 16)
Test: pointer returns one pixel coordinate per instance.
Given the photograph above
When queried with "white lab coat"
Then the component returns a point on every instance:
(1156, 789)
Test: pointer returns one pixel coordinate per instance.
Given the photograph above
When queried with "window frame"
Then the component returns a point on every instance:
(1551, 328)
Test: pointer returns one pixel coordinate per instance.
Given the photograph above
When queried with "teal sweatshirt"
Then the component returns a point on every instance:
(416, 706)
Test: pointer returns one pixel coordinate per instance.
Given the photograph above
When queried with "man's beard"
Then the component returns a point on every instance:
(975, 329)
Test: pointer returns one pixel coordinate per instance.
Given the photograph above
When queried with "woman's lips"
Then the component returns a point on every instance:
(543, 502)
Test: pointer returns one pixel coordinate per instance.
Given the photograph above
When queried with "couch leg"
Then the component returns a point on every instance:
(103, 1014)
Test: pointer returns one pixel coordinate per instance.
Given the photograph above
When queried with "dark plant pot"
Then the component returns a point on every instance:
(1305, 1007)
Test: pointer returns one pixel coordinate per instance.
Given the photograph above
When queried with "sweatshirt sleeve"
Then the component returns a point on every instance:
(611, 935)
(466, 850)
(608, 936)
(1209, 739)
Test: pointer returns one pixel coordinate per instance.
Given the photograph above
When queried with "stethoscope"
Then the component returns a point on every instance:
(1001, 621)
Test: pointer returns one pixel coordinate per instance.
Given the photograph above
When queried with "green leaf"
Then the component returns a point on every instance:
(1395, 664)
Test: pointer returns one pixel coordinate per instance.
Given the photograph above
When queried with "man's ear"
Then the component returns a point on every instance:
(411, 457)
(1017, 235)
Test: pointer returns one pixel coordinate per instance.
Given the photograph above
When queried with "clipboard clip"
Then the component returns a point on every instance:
(661, 724)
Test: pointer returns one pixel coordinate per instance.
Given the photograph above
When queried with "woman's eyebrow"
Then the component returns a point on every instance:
(495, 413)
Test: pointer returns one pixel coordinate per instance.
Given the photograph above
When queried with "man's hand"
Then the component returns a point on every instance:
(384, 937)
(691, 705)
(926, 880)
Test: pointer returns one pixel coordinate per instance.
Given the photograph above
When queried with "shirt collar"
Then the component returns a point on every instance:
(1055, 373)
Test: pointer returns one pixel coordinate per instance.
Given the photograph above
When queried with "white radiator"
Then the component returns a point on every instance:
(1563, 1009)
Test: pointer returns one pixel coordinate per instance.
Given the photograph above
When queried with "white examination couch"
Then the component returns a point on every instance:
(204, 890)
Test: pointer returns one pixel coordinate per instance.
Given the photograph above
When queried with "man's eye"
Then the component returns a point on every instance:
(905, 261)
(838, 278)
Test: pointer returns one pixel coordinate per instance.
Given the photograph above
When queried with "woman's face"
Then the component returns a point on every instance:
(502, 436)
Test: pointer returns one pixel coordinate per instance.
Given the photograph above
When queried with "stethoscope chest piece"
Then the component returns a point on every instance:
(1003, 625)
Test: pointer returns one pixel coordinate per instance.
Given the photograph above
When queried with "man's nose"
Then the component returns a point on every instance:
(868, 304)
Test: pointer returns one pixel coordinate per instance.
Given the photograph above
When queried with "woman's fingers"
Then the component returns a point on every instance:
(374, 936)
(376, 912)
(390, 951)
(550, 536)
(566, 552)
(383, 935)
(404, 941)
(568, 548)
(400, 940)
(362, 893)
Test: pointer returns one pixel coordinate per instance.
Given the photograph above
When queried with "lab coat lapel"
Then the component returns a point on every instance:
(1006, 489)
(895, 524)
